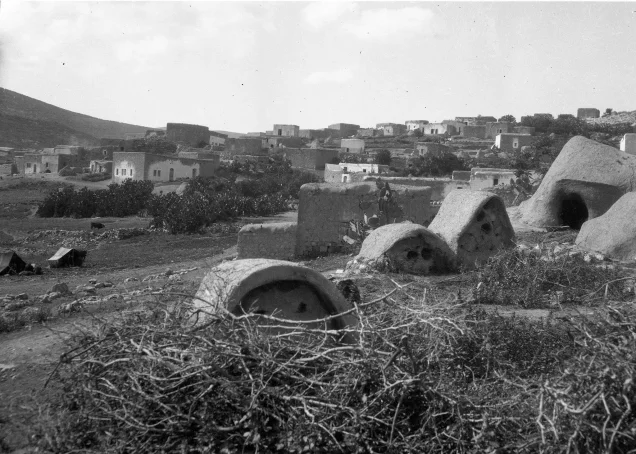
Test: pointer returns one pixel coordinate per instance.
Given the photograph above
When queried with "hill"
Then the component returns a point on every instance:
(48, 122)
(20, 132)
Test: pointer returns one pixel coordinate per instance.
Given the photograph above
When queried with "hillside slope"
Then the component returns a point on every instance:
(18, 105)
(20, 132)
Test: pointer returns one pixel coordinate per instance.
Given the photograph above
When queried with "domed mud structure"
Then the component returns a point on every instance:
(406, 247)
(474, 224)
(584, 181)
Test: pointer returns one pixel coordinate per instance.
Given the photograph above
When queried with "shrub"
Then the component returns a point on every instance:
(517, 277)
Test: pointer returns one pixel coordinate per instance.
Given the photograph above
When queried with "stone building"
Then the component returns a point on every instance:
(628, 143)
(587, 112)
(424, 148)
(28, 163)
(286, 130)
(192, 135)
(97, 166)
(313, 159)
(499, 127)
(476, 131)
(347, 172)
(367, 132)
(244, 146)
(55, 162)
(352, 146)
(391, 129)
(147, 166)
(412, 125)
(478, 120)
(512, 142)
(345, 129)
(482, 178)
(446, 129)
(217, 138)
(282, 142)
(316, 133)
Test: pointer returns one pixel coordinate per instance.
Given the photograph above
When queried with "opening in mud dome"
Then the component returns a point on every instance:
(573, 211)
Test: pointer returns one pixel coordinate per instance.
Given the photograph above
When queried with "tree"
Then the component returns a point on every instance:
(383, 157)
(435, 165)
(418, 132)
(509, 118)
(608, 112)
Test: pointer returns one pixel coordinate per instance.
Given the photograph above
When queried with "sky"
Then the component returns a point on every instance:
(243, 66)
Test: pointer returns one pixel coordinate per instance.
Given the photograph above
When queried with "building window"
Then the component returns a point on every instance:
(500, 131)
(158, 173)
(123, 172)
(495, 181)
(28, 165)
(47, 165)
(364, 170)
(116, 171)
(154, 173)
(515, 143)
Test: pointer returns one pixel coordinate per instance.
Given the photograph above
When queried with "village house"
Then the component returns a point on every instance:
(55, 162)
(312, 159)
(312, 134)
(217, 139)
(368, 132)
(391, 129)
(412, 125)
(478, 120)
(347, 172)
(512, 142)
(352, 146)
(285, 130)
(587, 112)
(474, 131)
(628, 143)
(345, 129)
(498, 127)
(424, 148)
(28, 163)
(281, 142)
(243, 146)
(97, 166)
(481, 178)
(443, 128)
(153, 167)
(186, 134)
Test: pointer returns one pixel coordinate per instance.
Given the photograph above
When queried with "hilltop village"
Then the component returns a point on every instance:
(340, 153)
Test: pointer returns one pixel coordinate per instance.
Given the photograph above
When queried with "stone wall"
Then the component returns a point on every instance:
(478, 131)
(269, 241)
(440, 187)
(352, 145)
(7, 169)
(345, 129)
(191, 135)
(309, 158)
(251, 146)
(151, 145)
(325, 210)
(512, 142)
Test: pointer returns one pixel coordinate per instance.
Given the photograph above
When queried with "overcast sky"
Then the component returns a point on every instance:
(244, 66)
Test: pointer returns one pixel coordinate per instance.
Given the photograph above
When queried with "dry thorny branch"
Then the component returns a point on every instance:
(420, 377)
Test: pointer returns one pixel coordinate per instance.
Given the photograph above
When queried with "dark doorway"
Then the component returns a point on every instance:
(171, 176)
(573, 211)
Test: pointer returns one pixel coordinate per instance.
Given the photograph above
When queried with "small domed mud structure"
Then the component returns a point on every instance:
(406, 247)
(474, 224)
(614, 233)
(276, 288)
(584, 181)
